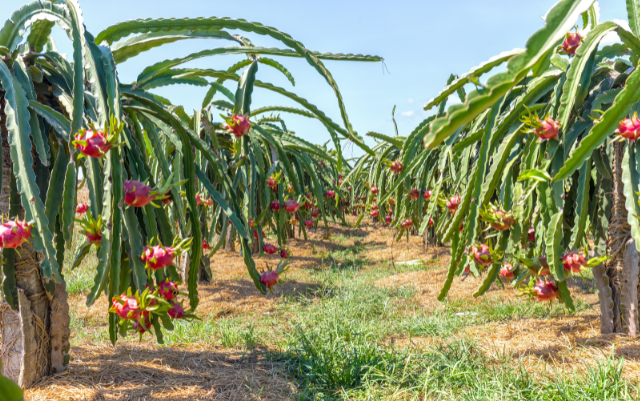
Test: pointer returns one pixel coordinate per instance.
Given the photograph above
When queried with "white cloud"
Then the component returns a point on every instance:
(410, 100)
(409, 113)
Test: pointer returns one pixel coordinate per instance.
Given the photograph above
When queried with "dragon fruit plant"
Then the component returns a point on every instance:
(544, 129)
(156, 257)
(91, 228)
(237, 124)
(498, 218)
(95, 143)
(270, 278)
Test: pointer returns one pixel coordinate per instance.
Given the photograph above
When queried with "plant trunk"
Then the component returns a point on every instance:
(35, 337)
(617, 280)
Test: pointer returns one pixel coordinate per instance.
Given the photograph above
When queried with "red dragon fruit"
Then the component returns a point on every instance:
(238, 124)
(531, 234)
(92, 143)
(199, 199)
(284, 254)
(573, 261)
(269, 278)
(140, 327)
(82, 208)
(330, 194)
(392, 201)
(545, 290)
(92, 228)
(388, 219)
(481, 254)
(414, 193)
(406, 224)
(138, 194)
(629, 128)
(308, 223)
(545, 269)
(272, 182)
(205, 245)
(167, 198)
(453, 203)
(168, 289)
(315, 213)
(176, 311)
(158, 257)
(431, 223)
(427, 194)
(544, 129)
(507, 271)
(374, 190)
(291, 206)
(14, 233)
(269, 249)
(374, 213)
(497, 217)
(275, 206)
(396, 167)
(252, 222)
(126, 307)
(571, 43)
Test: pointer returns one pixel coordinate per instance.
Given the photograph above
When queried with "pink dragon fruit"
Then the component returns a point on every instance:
(167, 198)
(126, 307)
(406, 224)
(269, 249)
(481, 254)
(138, 194)
(391, 201)
(547, 129)
(315, 213)
(205, 245)
(531, 234)
(14, 233)
(238, 124)
(571, 43)
(275, 206)
(573, 262)
(330, 194)
(291, 206)
(374, 213)
(158, 257)
(272, 182)
(92, 143)
(308, 223)
(374, 190)
(507, 271)
(142, 328)
(629, 128)
(396, 167)
(453, 203)
(388, 219)
(269, 278)
(545, 290)
(82, 208)
(427, 194)
(176, 311)
(168, 289)
(284, 254)
(431, 223)
(414, 193)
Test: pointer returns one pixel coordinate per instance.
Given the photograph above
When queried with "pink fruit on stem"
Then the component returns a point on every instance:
(431, 223)
(92, 143)
(269, 249)
(14, 233)
(545, 269)
(315, 213)
(82, 208)
(414, 193)
(571, 43)
(168, 289)
(126, 307)
(137, 194)
(284, 254)
(629, 128)
(198, 199)
(291, 206)
(238, 124)
(545, 290)
(271, 181)
(481, 254)
(158, 257)
(548, 129)
(406, 224)
(205, 245)
(374, 190)
(308, 223)
(176, 311)
(374, 213)
(167, 198)
(427, 194)
(573, 262)
(388, 219)
(531, 234)
(453, 203)
(275, 206)
(252, 222)
(396, 167)
(330, 194)
(269, 278)
(142, 327)
(392, 201)
(507, 271)
(93, 238)
(467, 269)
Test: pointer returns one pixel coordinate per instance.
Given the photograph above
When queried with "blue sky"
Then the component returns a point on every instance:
(423, 42)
